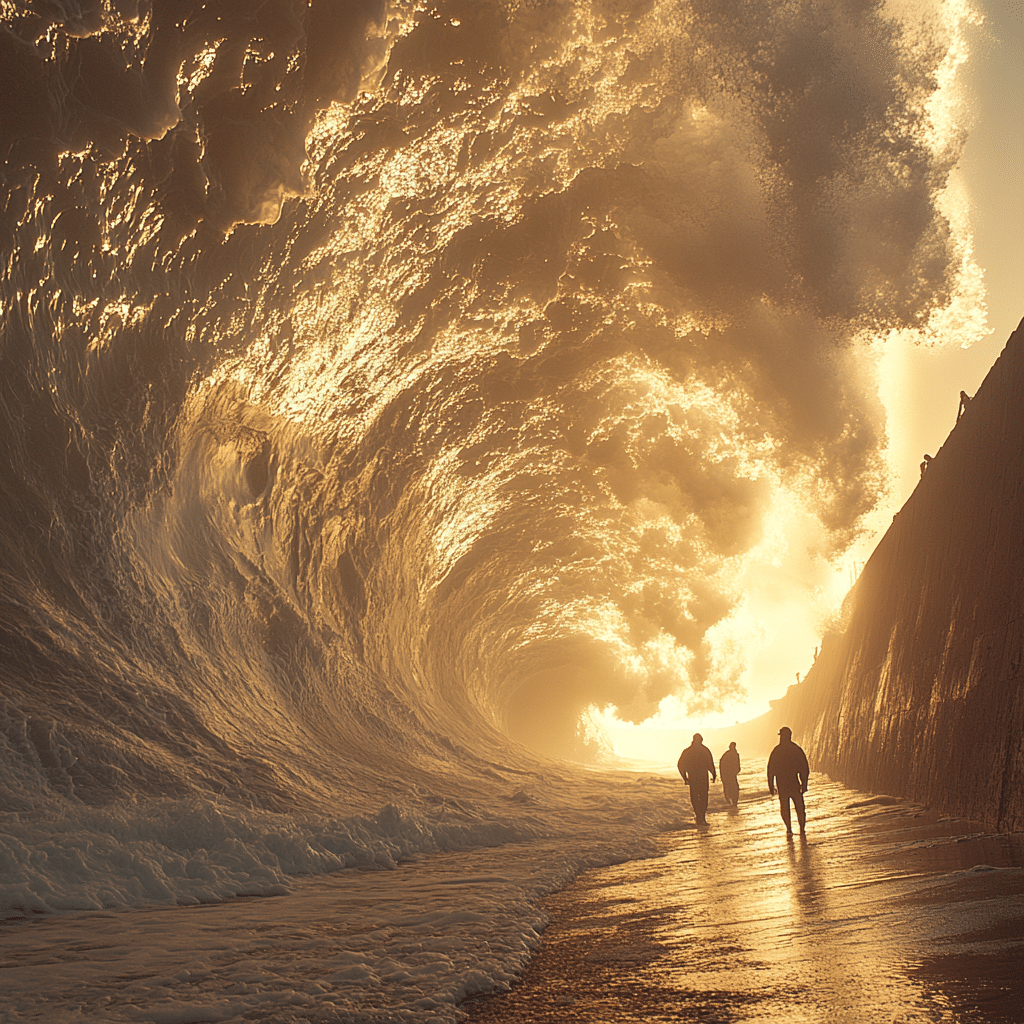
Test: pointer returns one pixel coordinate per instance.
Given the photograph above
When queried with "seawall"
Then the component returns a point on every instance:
(922, 695)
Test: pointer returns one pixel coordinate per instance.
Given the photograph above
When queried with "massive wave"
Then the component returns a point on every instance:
(386, 385)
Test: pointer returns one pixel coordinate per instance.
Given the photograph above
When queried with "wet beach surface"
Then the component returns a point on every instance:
(885, 912)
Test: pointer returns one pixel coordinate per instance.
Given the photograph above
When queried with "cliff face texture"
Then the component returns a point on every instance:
(923, 695)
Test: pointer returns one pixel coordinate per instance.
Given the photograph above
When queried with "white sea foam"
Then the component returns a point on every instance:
(451, 910)
(201, 851)
(354, 946)
(198, 851)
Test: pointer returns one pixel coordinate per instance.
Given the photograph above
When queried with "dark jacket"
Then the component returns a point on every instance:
(729, 764)
(787, 768)
(694, 764)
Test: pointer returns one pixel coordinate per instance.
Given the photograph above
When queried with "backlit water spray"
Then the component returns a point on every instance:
(387, 386)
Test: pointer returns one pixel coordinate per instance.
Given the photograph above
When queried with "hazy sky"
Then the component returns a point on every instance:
(992, 170)
(919, 384)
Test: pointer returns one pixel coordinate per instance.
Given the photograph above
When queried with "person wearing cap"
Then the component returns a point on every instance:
(694, 764)
(787, 772)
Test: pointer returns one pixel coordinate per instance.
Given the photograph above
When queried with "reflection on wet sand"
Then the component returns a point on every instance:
(884, 912)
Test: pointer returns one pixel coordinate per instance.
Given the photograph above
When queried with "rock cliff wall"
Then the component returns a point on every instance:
(922, 696)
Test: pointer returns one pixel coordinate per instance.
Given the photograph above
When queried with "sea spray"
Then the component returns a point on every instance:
(385, 388)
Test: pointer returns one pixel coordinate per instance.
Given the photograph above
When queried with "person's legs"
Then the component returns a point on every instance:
(784, 810)
(801, 812)
(699, 799)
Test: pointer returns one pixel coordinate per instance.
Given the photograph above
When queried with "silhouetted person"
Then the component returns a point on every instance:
(925, 464)
(729, 769)
(788, 771)
(965, 400)
(694, 764)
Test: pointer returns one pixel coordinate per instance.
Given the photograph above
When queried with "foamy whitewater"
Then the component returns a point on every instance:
(386, 386)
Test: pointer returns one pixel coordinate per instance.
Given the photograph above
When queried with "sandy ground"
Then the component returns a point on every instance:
(883, 913)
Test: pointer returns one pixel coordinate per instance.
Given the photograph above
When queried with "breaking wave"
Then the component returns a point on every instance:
(385, 385)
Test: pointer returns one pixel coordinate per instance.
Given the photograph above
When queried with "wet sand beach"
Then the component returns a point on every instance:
(885, 912)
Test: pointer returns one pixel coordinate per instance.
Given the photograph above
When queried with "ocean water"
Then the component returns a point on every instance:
(385, 386)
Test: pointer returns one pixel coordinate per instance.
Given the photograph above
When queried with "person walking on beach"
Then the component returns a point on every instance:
(788, 771)
(729, 769)
(694, 764)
